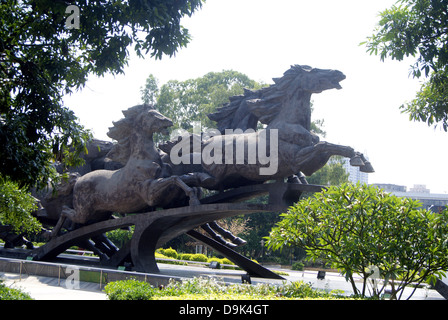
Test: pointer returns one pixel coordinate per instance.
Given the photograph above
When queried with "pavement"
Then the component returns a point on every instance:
(45, 288)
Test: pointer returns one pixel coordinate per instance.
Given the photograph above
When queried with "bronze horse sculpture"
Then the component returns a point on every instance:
(143, 182)
(284, 108)
(150, 179)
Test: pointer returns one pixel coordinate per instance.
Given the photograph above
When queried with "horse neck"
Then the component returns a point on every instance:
(296, 109)
(143, 148)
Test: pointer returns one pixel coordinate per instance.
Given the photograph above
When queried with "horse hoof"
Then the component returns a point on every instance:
(356, 161)
(367, 168)
(239, 242)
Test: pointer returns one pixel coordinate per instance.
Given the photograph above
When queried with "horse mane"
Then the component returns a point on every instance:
(122, 131)
(263, 104)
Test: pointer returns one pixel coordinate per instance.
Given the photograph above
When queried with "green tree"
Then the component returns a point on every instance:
(332, 174)
(360, 228)
(191, 100)
(418, 28)
(43, 58)
(150, 91)
(16, 206)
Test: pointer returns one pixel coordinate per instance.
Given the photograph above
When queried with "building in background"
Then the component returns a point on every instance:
(432, 201)
(355, 175)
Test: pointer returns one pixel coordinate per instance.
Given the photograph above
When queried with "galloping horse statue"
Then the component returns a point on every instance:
(284, 108)
(144, 181)
(150, 178)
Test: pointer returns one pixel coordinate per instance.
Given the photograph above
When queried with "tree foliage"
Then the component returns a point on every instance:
(332, 174)
(192, 100)
(16, 206)
(418, 28)
(41, 60)
(359, 228)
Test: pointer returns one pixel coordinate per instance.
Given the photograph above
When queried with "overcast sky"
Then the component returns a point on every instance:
(262, 39)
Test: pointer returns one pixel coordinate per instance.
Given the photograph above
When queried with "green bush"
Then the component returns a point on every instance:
(170, 252)
(129, 290)
(298, 266)
(227, 261)
(199, 257)
(158, 255)
(185, 256)
(12, 294)
(16, 206)
(120, 237)
(208, 288)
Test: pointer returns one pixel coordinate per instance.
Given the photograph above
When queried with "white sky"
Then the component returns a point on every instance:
(262, 39)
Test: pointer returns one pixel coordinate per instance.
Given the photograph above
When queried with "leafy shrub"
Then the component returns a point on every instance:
(209, 288)
(298, 266)
(185, 256)
(199, 257)
(12, 294)
(170, 252)
(120, 237)
(227, 261)
(16, 205)
(129, 290)
(158, 255)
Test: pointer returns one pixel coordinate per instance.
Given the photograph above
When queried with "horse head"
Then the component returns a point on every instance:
(309, 79)
(141, 120)
(147, 120)
(244, 111)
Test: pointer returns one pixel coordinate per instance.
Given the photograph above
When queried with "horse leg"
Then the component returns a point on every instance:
(367, 167)
(206, 227)
(315, 157)
(90, 245)
(357, 159)
(65, 213)
(153, 190)
(189, 191)
(199, 179)
(59, 224)
(298, 178)
(105, 245)
(227, 234)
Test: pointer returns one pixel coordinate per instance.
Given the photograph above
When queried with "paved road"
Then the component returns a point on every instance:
(44, 288)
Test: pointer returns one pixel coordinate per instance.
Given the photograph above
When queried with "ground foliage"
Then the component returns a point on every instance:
(213, 289)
